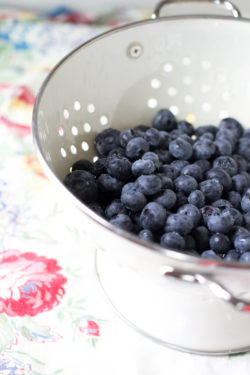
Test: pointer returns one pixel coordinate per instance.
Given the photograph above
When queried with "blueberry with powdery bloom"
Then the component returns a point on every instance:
(232, 256)
(185, 127)
(136, 147)
(193, 170)
(233, 125)
(208, 211)
(173, 240)
(179, 165)
(220, 243)
(169, 171)
(82, 165)
(153, 138)
(82, 184)
(222, 204)
(201, 236)
(241, 162)
(119, 167)
(110, 185)
(205, 165)
(223, 134)
(227, 163)
(210, 254)
(153, 216)
(223, 147)
(123, 222)
(149, 185)
(132, 198)
(185, 184)
(164, 120)
(222, 176)
(125, 136)
(107, 140)
(242, 243)
(166, 182)
(212, 189)
(179, 223)
(240, 183)
(153, 157)
(142, 167)
(164, 156)
(234, 198)
(203, 149)
(164, 140)
(140, 130)
(114, 208)
(146, 235)
(181, 149)
(204, 129)
(245, 201)
(245, 258)
(235, 214)
(197, 198)
(167, 199)
(220, 223)
(191, 211)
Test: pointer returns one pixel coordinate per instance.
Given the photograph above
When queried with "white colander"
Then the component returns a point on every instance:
(199, 67)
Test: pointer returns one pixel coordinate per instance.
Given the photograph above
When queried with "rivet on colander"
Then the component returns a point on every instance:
(134, 50)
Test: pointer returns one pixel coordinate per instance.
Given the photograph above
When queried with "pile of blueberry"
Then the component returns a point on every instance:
(185, 188)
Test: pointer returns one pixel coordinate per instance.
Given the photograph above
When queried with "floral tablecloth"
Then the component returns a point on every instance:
(53, 316)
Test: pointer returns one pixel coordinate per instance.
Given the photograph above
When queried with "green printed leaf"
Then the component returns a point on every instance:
(60, 315)
(7, 333)
(38, 333)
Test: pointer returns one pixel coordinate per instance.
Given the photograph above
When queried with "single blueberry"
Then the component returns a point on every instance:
(236, 215)
(153, 216)
(119, 167)
(191, 211)
(82, 184)
(174, 134)
(106, 141)
(227, 163)
(181, 149)
(210, 254)
(179, 164)
(185, 127)
(166, 182)
(179, 223)
(110, 185)
(245, 201)
(206, 128)
(118, 151)
(140, 167)
(205, 165)
(140, 130)
(99, 167)
(204, 149)
(223, 147)
(222, 204)
(146, 235)
(149, 185)
(243, 148)
(245, 258)
(136, 147)
(169, 171)
(95, 206)
(164, 120)
(125, 136)
(197, 198)
(173, 240)
(222, 176)
(240, 183)
(208, 211)
(235, 198)
(238, 230)
(123, 222)
(193, 170)
(167, 199)
(164, 156)
(242, 243)
(232, 256)
(233, 125)
(241, 162)
(220, 223)
(201, 236)
(164, 140)
(186, 138)
(212, 189)
(153, 157)
(185, 184)
(153, 138)
(82, 165)
(228, 135)
(114, 208)
(220, 243)
(132, 198)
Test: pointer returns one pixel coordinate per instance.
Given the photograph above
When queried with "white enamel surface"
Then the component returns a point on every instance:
(199, 69)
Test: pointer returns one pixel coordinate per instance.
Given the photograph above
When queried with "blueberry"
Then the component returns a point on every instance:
(245, 258)
(222, 176)
(234, 198)
(227, 163)
(220, 243)
(179, 164)
(233, 125)
(99, 167)
(186, 138)
(223, 147)
(106, 141)
(210, 254)
(109, 184)
(243, 148)
(220, 223)
(146, 235)
(123, 222)
(132, 198)
(82, 165)
(173, 240)
(207, 135)
(181, 199)
(240, 183)
(191, 211)
(153, 138)
(212, 189)
(197, 198)
(208, 211)
(181, 149)
(114, 208)
(167, 199)
(164, 139)
(238, 230)
(204, 149)
(166, 182)
(242, 243)
(222, 204)
(201, 236)
(153, 216)
(125, 136)
(95, 206)
(174, 134)
(223, 134)
(185, 127)
(179, 223)
(169, 171)
(164, 120)
(185, 184)
(241, 162)
(140, 167)
(246, 217)
(205, 165)
(119, 167)
(245, 201)
(206, 128)
(140, 130)
(246, 133)
(190, 242)
(118, 151)
(232, 256)
(149, 185)
(136, 147)
(82, 184)
(164, 156)
(193, 170)
(236, 215)
(153, 157)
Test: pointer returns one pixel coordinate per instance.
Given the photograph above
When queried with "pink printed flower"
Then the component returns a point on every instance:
(91, 328)
(29, 284)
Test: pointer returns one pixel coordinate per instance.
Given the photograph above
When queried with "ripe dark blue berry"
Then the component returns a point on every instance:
(167, 199)
(149, 185)
(191, 211)
(240, 183)
(140, 167)
(245, 258)
(132, 198)
(212, 189)
(185, 184)
(153, 157)
(164, 120)
(204, 149)
(153, 216)
(201, 236)
(233, 125)
(245, 201)
(83, 165)
(110, 185)
(193, 170)
(235, 198)
(232, 256)
(220, 223)
(173, 240)
(242, 243)
(119, 167)
(181, 149)
(136, 147)
(179, 223)
(220, 243)
(153, 137)
(222, 176)
(82, 184)
(204, 129)
(210, 254)
(197, 198)
(106, 141)
(114, 208)
(185, 127)
(123, 222)
(146, 235)
(227, 163)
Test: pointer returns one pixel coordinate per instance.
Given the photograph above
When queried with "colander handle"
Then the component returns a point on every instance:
(225, 3)
(218, 290)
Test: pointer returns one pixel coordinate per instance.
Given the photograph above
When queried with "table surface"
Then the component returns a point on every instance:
(54, 318)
